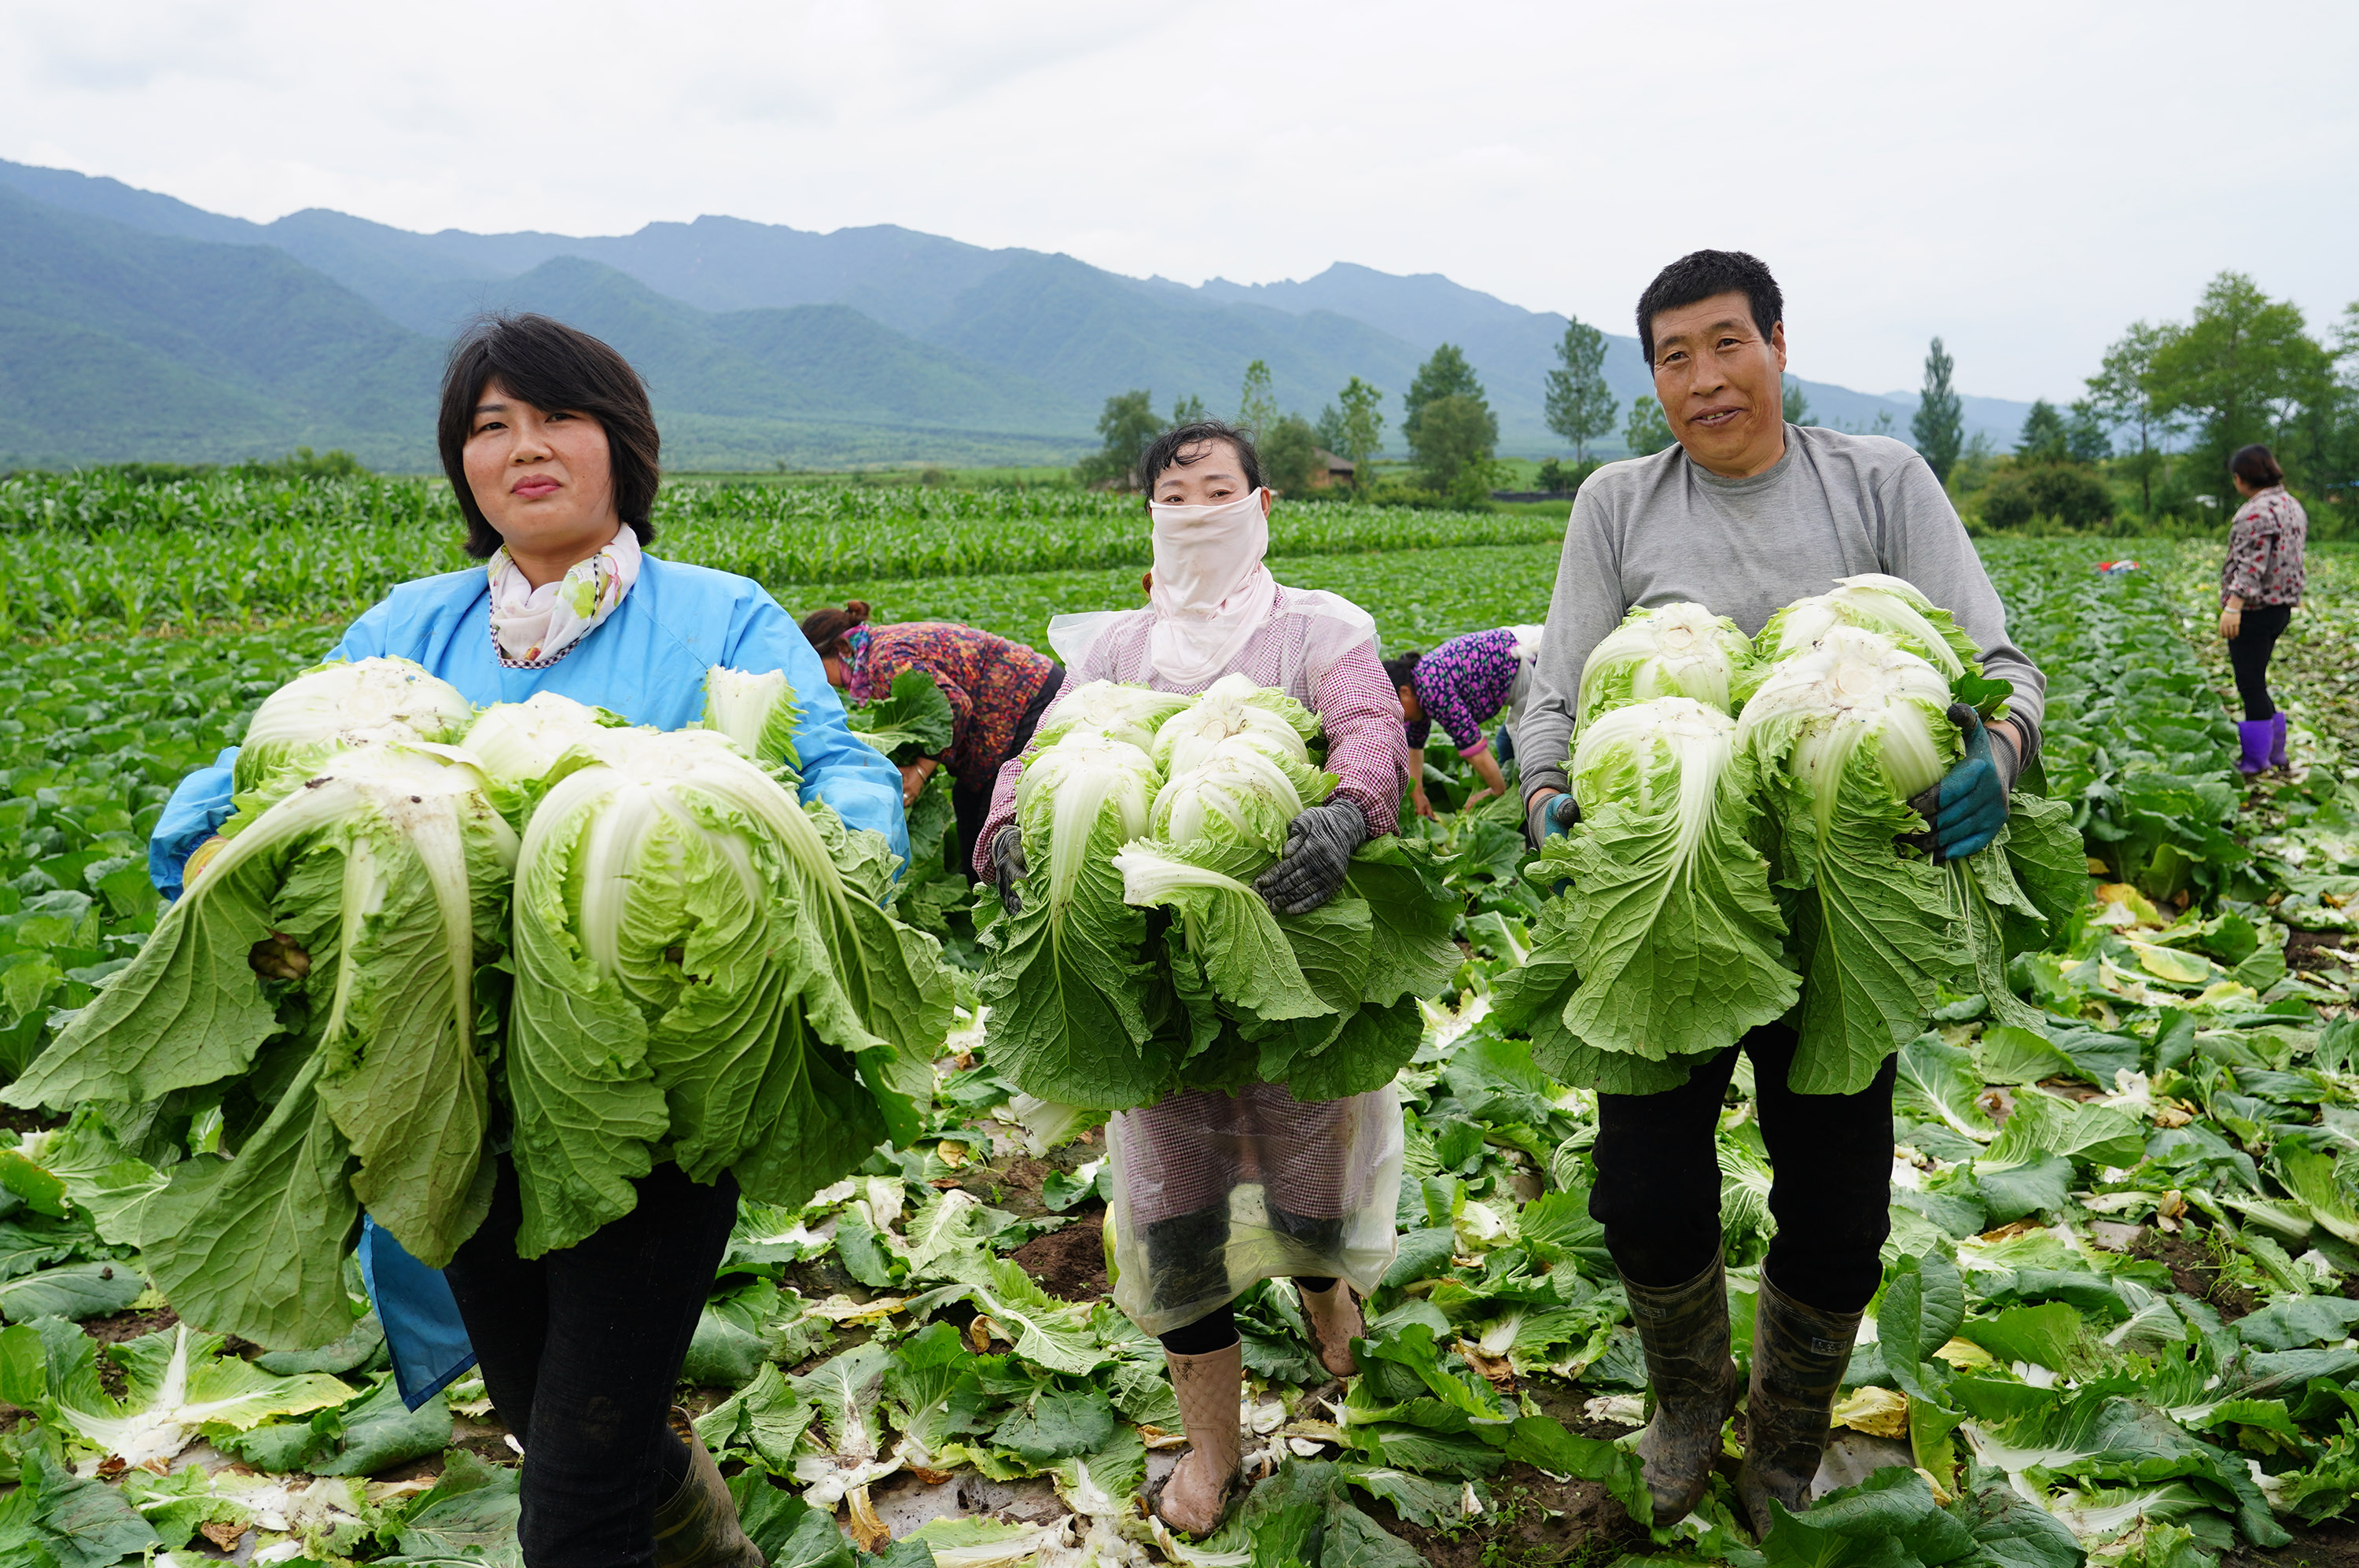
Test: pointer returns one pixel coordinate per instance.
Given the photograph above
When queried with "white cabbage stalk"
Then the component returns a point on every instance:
(1126, 713)
(1234, 705)
(327, 709)
(1876, 603)
(1244, 782)
(1669, 650)
(1854, 688)
(517, 744)
(1664, 756)
(1065, 789)
(756, 711)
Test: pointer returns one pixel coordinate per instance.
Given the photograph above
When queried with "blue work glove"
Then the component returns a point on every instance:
(1311, 869)
(1965, 810)
(1554, 815)
(1008, 868)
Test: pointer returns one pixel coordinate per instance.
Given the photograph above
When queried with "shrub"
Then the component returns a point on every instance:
(2070, 494)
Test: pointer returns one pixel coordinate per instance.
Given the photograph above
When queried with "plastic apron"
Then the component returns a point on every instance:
(647, 661)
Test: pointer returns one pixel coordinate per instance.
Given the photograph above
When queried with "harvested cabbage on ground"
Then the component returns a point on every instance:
(1143, 959)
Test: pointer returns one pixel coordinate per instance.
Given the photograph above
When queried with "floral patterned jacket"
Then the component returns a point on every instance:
(2264, 565)
(987, 680)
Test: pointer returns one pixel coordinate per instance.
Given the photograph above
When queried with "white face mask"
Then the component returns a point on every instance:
(1210, 591)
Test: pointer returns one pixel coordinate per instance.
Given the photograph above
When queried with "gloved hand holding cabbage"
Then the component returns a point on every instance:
(1726, 874)
(1143, 954)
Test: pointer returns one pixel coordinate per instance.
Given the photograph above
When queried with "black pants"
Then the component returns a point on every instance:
(1658, 1191)
(581, 1350)
(1184, 1254)
(972, 805)
(2248, 655)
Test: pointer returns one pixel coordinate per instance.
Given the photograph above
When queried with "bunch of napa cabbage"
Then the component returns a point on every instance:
(1134, 801)
(375, 849)
(1663, 943)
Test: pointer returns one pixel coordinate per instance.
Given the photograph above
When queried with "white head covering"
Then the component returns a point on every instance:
(1210, 591)
(532, 625)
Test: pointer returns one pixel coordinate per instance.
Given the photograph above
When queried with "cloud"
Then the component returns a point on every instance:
(2023, 179)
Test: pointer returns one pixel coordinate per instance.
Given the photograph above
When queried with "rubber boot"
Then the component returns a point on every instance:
(2277, 740)
(1684, 1330)
(1195, 1496)
(1799, 1356)
(2257, 735)
(1333, 1318)
(698, 1529)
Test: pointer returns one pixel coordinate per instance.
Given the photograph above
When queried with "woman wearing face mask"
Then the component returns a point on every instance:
(1323, 1168)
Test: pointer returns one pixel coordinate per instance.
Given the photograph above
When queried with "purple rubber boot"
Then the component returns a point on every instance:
(2256, 734)
(2277, 742)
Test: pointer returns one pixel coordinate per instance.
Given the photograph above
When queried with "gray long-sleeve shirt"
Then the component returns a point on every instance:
(1660, 530)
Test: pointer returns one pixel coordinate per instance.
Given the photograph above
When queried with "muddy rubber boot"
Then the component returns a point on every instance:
(1333, 1317)
(1684, 1330)
(2257, 736)
(1196, 1496)
(698, 1529)
(2277, 740)
(1799, 1356)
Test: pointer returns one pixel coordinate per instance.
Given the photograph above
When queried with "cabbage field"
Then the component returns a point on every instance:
(2123, 1281)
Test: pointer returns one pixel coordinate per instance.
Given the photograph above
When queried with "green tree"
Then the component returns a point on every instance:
(1454, 440)
(1351, 427)
(1938, 424)
(1188, 410)
(2085, 437)
(2240, 370)
(1256, 404)
(2121, 393)
(2043, 438)
(1646, 431)
(1445, 375)
(1290, 455)
(1797, 407)
(1579, 406)
(1127, 426)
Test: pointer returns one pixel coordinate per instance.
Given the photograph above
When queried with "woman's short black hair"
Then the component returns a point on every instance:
(1399, 670)
(2256, 465)
(1166, 449)
(551, 367)
(1700, 275)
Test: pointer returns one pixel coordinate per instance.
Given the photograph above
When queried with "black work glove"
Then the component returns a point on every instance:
(1318, 852)
(1556, 814)
(1008, 868)
(1965, 810)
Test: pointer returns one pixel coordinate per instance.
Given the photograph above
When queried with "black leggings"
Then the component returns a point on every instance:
(1658, 1191)
(2248, 655)
(581, 1350)
(1183, 1253)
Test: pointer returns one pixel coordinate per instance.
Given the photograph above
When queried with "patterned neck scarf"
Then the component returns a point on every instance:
(533, 627)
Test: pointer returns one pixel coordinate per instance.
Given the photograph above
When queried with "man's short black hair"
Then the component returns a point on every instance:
(551, 367)
(1700, 275)
(1165, 451)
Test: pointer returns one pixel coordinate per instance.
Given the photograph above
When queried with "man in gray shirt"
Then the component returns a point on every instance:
(1745, 515)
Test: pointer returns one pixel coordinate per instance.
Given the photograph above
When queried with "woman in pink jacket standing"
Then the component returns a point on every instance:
(1328, 1171)
(2259, 586)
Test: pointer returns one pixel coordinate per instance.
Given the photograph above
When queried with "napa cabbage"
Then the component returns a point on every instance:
(1127, 713)
(518, 745)
(1843, 735)
(1873, 602)
(698, 979)
(1665, 650)
(333, 706)
(363, 1083)
(1667, 943)
(756, 711)
(1234, 706)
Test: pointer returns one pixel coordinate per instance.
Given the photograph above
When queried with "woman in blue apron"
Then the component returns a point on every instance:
(550, 446)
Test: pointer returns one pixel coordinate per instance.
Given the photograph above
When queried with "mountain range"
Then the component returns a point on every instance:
(135, 326)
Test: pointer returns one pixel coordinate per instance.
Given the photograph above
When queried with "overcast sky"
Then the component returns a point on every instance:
(2023, 179)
